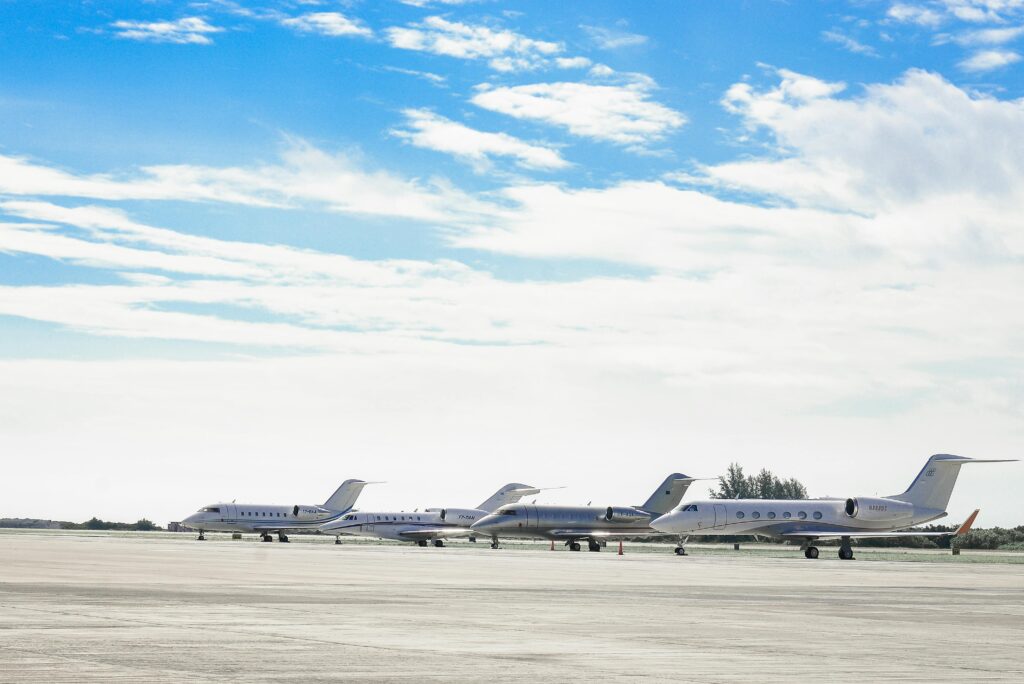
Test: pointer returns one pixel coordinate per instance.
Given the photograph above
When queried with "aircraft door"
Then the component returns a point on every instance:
(367, 525)
(719, 516)
(229, 513)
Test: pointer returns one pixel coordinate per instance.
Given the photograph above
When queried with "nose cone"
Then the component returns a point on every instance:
(485, 523)
(667, 523)
(191, 520)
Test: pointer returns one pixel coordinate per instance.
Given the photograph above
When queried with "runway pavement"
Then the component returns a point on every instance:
(167, 608)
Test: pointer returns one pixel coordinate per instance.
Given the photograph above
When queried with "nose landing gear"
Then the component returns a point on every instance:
(201, 536)
(681, 546)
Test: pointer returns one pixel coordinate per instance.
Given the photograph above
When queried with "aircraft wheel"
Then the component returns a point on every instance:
(337, 540)
(574, 546)
(439, 543)
(594, 546)
(494, 545)
(201, 537)
(680, 551)
(811, 552)
(421, 542)
(282, 538)
(846, 553)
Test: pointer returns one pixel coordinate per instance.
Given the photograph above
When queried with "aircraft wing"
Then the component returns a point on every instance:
(584, 533)
(417, 533)
(832, 534)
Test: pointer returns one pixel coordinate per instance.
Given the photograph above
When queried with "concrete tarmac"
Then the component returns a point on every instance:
(169, 609)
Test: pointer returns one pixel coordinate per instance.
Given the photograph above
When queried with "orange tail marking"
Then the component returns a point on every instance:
(966, 527)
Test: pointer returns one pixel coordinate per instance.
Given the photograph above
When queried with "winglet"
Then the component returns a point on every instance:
(966, 527)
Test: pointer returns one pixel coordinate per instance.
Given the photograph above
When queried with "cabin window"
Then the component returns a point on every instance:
(817, 515)
(755, 515)
(787, 515)
(378, 517)
(739, 514)
(771, 515)
(802, 515)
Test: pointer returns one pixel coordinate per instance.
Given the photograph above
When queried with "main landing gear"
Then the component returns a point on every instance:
(282, 537)
(845, 550)
(811, 552)
(266, 537)
(593, 545)
(439, 543)
(421, 542)
(573, 545)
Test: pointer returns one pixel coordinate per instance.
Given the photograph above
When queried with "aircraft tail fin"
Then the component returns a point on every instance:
(668, 495)
(933, 486)
(344, 498)
(509, 494)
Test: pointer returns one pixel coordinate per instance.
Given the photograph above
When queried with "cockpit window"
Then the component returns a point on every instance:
(507, 511)
(347, 517)
(691, 507)
(210, 509)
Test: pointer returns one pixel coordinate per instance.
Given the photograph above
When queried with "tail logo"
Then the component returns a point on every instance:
(931, 471)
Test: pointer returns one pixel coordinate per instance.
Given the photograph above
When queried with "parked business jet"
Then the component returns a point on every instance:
(433, 524)
(591, 523)
(844, 519)
(267, 519)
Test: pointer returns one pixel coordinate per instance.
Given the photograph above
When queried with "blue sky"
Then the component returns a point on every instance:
(693, 232)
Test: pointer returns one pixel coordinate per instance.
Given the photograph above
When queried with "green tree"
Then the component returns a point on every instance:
(765, 485)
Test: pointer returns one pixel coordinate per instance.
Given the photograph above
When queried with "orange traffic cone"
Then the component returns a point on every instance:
(620, 547)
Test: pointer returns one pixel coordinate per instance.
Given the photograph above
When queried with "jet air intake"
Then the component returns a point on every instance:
(878, 510)
(625, 515)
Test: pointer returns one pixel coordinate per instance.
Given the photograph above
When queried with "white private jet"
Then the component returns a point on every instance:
(267, 519)
(843, 519)
(433, 524)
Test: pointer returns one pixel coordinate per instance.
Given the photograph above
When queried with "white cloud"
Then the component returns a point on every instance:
(618, 113)
(915, 14)
(983, 10)
(613, 39)
(327, 24)
(305, 176)
(505, 50)
(990, 36)
(987, 60)
(572, 62)
(847, 43)
(193, 30)
(436, 79)
(432, 131)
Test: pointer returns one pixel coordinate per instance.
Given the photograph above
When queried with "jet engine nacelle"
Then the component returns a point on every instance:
(309, 512)
(464, 517)
(879, 510)
(625, 515)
